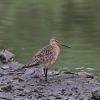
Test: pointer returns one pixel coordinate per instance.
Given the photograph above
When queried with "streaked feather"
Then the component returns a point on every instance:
(43, 56)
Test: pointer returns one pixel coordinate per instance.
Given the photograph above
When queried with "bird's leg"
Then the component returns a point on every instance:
(44, 70)
(45, 73)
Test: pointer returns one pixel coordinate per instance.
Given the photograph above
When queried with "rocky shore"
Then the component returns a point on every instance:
(29, 84)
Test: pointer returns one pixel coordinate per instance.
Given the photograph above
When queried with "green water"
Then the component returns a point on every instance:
(27, 25)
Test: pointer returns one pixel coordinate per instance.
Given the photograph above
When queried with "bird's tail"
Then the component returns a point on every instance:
(30, 65)
(27, 66)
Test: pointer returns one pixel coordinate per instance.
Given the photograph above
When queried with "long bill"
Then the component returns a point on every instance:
(64, 45)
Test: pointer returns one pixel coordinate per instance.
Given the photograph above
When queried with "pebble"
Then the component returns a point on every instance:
(81, 98)
(96, 94)
(62, 85)
(5, 67)
(58, 97)
(6, 88)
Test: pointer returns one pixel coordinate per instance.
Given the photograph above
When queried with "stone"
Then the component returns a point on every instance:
(6, 56)
(96, 94)
(85, 75)
(27, 92)
(58, 97)
(5, 67)
(81, 98)
(6, 88)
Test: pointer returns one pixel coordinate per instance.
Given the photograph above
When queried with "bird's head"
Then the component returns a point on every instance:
(54, 41)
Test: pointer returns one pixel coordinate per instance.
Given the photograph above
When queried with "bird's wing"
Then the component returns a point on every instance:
(42, 56)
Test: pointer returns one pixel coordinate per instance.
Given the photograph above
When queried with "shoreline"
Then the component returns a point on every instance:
(29, 84)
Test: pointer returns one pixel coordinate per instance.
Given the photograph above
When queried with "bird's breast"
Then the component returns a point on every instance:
(56, 51)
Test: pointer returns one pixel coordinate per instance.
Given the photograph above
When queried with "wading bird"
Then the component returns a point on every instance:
(46, 56)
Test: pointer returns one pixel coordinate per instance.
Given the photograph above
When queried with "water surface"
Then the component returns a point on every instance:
(27, 25)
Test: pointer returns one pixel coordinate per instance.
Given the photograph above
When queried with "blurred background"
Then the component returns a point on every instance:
(27, 25)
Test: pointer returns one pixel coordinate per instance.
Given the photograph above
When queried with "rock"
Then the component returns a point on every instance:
(53, 73)
(97, 83)
(33, 72)
(65, 72)
(5, 67)
(85, 75)
(6, 88)
(5, 96)
(33, 97)
(6, 56)
(81, 98)
(70, 94)
(35, 90)
(27, 92)
(61, 85)
(2, 72)
(19, 79)
(58, 97)
(20, 89)
(63, 91)
(2, 58)
(46, 98)
(96, 94)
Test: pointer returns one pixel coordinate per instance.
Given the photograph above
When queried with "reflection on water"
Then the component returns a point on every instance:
(26, 26)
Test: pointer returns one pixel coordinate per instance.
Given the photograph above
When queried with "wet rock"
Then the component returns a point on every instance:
(6, 88)
(38, 95)
(58, 81)
(63, 91)
(34, 98)
(65, 72)
(85, 75)
(96, 94)
(35, 90)
(18, 78)
(61, 85)
(5, 96)
(58, 97)
(2, 71)
(70, 94)
(6, 56)
(53, 73)
(20, 89)
(97, 83)
(81, 98)
(5, 67)
(27, 92)
(1, 74)
(46, 99)
(21, 94)
(34, 72)
(2, 58)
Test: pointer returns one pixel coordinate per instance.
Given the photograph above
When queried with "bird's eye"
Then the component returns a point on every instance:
(56, 41)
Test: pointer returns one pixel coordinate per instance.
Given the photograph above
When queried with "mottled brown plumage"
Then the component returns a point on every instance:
(45, 56)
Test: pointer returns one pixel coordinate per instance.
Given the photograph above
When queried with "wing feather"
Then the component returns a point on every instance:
(42, 56)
